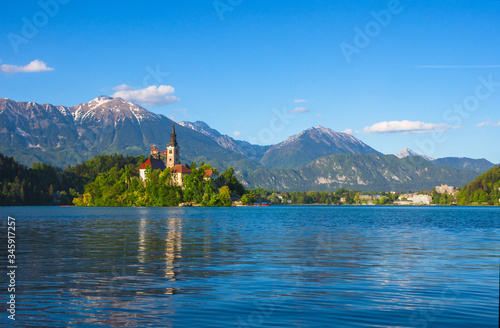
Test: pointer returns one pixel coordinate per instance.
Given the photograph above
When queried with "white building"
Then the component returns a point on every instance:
(422, 200)
(442, 189)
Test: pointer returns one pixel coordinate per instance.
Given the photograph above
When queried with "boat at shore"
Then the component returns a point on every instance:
(261, 204)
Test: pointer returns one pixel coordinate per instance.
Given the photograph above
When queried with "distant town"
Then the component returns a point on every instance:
(440, 195)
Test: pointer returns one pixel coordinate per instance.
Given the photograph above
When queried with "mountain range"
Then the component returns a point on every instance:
(310, 144)
(315, 159)
(477, 165)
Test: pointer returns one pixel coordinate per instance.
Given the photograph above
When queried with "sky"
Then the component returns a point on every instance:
(396, 74)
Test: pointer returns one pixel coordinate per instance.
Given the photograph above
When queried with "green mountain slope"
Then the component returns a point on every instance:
(478, 165)
(365, 172)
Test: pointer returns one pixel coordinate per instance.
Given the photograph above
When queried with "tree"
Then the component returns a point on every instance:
(249, 197)
(383, 200)
(223, 198)
(208, 193)
(228, 179)
(193, 185)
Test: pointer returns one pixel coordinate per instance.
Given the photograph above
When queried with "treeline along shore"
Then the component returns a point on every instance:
(113, 180)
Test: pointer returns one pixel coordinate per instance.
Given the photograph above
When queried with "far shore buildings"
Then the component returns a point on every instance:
(170, 158)
(413, 199)
(443, 189)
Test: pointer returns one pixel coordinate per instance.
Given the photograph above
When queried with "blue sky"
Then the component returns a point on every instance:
(418, 74)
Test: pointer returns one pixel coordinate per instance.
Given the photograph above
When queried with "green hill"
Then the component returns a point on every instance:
(484, 190)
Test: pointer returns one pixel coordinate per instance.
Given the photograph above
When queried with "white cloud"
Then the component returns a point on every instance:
(123, 87)
(150, 96)
(348, 131)
(488, 123)
(237, 133)
(319, 115)
(299, 101)
(33, 67)
(407, 127)
(300, 110)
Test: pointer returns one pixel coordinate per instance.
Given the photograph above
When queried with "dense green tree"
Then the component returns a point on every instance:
(194, 185)
(229, 179)
(484, 190)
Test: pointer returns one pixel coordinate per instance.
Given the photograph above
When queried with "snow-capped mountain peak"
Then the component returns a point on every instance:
(109, 107)
(407, 152)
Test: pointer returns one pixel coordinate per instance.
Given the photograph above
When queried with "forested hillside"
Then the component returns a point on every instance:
(485, 189)
(44, 184)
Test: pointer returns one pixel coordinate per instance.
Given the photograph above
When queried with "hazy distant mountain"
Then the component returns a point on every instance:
(407, 152)
(301, 149)
(253, 152)
(478, 165)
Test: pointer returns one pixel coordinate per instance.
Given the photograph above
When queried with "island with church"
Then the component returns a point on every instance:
(164, 181)
(170, 158)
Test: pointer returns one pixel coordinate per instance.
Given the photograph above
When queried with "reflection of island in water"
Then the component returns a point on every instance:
(173, 249)
(127, 270)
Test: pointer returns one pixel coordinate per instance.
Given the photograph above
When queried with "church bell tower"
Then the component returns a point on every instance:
(173, 157)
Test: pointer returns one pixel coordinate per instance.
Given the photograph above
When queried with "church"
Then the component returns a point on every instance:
(169, 158)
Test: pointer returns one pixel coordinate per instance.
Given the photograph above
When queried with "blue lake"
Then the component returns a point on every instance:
(310, 266)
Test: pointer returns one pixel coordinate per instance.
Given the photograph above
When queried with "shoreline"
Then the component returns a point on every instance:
(277, 205)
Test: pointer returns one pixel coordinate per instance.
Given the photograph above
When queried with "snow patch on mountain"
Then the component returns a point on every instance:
(407, 152)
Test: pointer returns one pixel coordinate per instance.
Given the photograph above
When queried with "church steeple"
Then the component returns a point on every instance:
(173, 137)
(173, 157)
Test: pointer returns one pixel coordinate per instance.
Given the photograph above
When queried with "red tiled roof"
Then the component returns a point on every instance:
(208, 173)
(154, 163)
(179, 168)
(146, 163)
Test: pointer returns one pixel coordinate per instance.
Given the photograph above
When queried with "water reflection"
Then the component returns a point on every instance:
(142, 243)
(299, 266)
(173, 249)
(120, 277)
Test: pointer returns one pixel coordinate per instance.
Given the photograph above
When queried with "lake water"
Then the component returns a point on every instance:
(310, 266)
